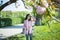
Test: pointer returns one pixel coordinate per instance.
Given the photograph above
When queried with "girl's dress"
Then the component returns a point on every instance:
(27, 27)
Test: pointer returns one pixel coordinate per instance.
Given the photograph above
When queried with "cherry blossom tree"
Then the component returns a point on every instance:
(39, 8)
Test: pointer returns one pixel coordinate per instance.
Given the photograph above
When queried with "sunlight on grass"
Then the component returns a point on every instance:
(42, 33)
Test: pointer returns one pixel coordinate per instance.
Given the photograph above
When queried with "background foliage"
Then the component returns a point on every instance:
(9, 18)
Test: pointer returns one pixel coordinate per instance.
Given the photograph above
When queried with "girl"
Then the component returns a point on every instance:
(28, 26)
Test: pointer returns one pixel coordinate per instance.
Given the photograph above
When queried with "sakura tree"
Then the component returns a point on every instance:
(39, 7)
(42, 8)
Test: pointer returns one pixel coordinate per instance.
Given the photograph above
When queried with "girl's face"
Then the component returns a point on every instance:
(29, 17)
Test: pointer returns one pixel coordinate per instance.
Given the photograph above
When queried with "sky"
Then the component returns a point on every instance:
(12, 7)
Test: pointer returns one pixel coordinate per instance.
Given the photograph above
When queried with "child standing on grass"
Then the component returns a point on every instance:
(28, 26)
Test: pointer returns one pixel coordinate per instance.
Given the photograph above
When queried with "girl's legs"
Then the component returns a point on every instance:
(30, 35)
(26, 36)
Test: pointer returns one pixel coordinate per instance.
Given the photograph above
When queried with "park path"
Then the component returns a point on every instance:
(10, 31)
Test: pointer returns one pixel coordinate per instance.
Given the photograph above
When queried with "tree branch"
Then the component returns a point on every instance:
(24, 4)
(4, 5)
(7, 3)
(57, 20)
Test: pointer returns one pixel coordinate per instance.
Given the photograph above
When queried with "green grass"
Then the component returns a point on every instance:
(46, 33)
(42, 33)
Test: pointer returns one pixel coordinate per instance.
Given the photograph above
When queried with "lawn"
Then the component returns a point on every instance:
(41, 33)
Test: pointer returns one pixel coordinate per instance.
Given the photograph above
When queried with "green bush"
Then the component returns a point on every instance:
(5, 22)
(10, 21)
(16, 21)
(13, 17)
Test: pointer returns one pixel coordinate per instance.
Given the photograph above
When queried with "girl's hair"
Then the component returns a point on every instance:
(27, 17)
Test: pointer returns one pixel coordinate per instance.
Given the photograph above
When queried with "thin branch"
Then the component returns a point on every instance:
(57, 20)
(24, 4)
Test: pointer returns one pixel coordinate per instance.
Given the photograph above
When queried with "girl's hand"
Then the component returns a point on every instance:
(33, 19)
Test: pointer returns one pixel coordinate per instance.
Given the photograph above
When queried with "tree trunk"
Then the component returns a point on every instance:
(38, 20)
(5, 4)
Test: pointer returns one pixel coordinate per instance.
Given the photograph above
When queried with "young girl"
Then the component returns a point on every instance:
(28, 26)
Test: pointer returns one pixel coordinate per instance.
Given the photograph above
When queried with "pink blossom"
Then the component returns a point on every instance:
(40, 10)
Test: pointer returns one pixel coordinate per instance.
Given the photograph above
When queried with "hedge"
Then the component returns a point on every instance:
(10, 21)
(9, 18)
(5, 22)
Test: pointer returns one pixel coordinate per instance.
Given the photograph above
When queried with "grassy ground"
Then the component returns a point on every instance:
(41, 33)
